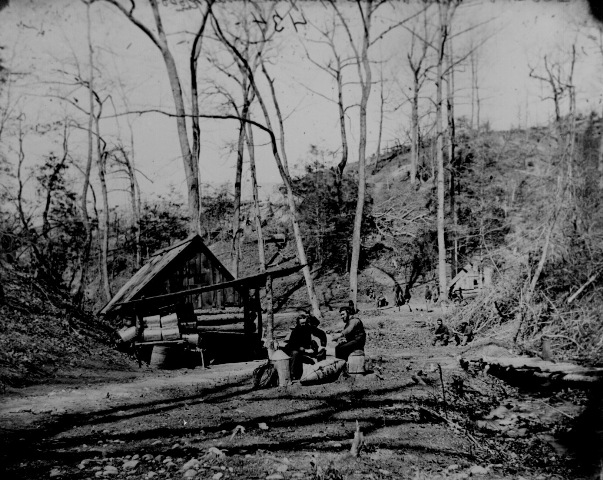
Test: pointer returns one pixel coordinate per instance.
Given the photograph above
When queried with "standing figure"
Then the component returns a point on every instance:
(407, 296)
(427, 298)
(302, 348)
(352, 337)
(441, 334)
(399, 296)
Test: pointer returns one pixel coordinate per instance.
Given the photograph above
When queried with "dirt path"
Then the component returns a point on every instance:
(211, 424)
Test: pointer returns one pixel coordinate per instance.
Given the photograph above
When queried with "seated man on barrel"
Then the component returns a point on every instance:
(302, 348)
(352, 337)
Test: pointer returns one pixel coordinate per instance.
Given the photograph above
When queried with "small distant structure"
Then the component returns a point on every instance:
(471, 279)
(185, 295)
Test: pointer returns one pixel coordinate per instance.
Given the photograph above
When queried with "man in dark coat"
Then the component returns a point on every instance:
(302, 348)
(441, 334)
(352, 337)
(464, 334)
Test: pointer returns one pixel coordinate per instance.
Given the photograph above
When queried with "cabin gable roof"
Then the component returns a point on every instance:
(161, 261)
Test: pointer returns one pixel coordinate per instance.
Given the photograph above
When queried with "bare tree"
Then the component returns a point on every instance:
(123, 162)
(446, 11)
(280, 158)
(334, 67)
(80, 280)
(251, 40)
(416, 58)
(475, 98)
(159, 39)
(366, 10)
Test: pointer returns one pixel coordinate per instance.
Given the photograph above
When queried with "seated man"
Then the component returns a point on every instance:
(464, 334)
(441, 334)
(301, 348)
(352, 337)
(381, 301)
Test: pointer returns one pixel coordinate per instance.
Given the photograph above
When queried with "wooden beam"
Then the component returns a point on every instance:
(252, 281)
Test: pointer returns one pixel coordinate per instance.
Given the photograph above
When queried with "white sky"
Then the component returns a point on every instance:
(47, 37)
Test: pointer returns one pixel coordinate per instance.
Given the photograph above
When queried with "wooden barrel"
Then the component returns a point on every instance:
(356, 362)
(152, 322)
(127, 334)
(169, 321)
(170, 333)
(151, 335)
(161, 357)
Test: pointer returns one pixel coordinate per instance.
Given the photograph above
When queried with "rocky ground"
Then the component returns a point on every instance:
(420, 414)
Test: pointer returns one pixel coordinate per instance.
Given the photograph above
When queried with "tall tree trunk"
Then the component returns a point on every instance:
(284, 171)
(134, 198)
(344, 139)
(191, 166)
(414, 129)
(269, 333)
(235, 246)
(440, 152)
(196, 129)
(475, 102)
(101, 157)
(282, 166)
(381, 105)
(452, 153)
(78, 290)
(365, 83)
(236, 216)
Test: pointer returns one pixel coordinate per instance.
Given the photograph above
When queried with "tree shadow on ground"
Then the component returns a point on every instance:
(306, 412)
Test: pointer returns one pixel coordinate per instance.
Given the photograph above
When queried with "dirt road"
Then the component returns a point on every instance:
(211, 424)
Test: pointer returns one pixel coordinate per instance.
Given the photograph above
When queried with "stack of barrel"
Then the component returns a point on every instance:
(165, 328)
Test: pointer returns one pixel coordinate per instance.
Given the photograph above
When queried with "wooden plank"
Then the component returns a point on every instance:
(162, 342)
(219, 328)
(246, 282)
(221, 319)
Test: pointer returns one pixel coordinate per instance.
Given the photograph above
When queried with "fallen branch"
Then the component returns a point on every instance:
(581, 289)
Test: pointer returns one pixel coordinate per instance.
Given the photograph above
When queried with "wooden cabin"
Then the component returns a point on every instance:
(471, 279)
(183, 266)
(184, 296)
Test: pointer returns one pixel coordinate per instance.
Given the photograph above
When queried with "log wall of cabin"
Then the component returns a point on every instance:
(197, 271)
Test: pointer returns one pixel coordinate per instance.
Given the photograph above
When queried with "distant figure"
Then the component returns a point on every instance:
(441, 334)
(398, 296)
(302, 348)
(352, 307)
(407, 295)
(382, 301)
(455, 295)
(352, 337)
(427, 298)
(401, 297)
(464, 334)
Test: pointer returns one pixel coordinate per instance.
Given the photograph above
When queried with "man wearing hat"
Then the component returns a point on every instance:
(302, 348)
